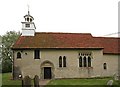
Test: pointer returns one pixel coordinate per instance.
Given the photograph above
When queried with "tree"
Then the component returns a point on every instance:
(0, 54)
(7, 41)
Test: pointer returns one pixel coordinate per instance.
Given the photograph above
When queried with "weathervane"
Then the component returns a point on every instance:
(28, 9)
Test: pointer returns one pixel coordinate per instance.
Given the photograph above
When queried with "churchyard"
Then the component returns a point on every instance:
(102, 82)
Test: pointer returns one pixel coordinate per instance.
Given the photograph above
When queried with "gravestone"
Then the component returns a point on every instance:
(116, 77)
(26, 82)
(110, 83)
(36, 81)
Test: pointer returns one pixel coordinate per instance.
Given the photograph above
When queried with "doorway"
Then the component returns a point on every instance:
(47, 73)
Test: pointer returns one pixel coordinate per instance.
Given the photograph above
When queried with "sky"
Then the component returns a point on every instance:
(98, 17)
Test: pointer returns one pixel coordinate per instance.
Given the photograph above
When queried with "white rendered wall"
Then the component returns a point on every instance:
(29, 32)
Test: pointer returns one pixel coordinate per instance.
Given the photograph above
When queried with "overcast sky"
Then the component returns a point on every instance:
(98, 17)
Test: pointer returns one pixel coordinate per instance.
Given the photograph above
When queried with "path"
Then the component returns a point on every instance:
(44, 82)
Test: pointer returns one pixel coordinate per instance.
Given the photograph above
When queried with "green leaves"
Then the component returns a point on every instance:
(7, 41)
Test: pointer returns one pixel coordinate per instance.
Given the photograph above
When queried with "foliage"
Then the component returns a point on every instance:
(0, 54)
(7, 41)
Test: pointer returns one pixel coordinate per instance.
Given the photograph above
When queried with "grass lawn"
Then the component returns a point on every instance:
(96, 81)
(8, 82)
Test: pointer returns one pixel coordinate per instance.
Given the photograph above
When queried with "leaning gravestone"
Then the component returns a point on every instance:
(36, 81)
(110, 83)
(26, 82)
(116, 77)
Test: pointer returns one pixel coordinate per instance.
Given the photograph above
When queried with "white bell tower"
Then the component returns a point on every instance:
(28, 27)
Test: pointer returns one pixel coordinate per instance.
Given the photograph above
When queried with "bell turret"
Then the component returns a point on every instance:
(28, 27)
(28, 17)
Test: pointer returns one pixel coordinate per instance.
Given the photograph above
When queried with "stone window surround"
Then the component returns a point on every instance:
(62, 61)
(85, 55)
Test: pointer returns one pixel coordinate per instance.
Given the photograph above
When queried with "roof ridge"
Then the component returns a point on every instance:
(61, 33)
(108, 37)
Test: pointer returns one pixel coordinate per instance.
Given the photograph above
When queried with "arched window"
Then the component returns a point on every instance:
(85, 63)
(28, 19)
(80, 61)
(105, 66)
(60, 61)
(64, 61)
(89, 62)
(18, 55)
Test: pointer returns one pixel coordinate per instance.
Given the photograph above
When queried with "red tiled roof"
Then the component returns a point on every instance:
(67, 40)
(110, 44)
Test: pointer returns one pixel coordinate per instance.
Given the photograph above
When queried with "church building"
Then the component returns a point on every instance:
(63, 55)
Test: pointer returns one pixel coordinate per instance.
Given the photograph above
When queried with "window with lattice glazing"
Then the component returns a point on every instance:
(85, 59)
